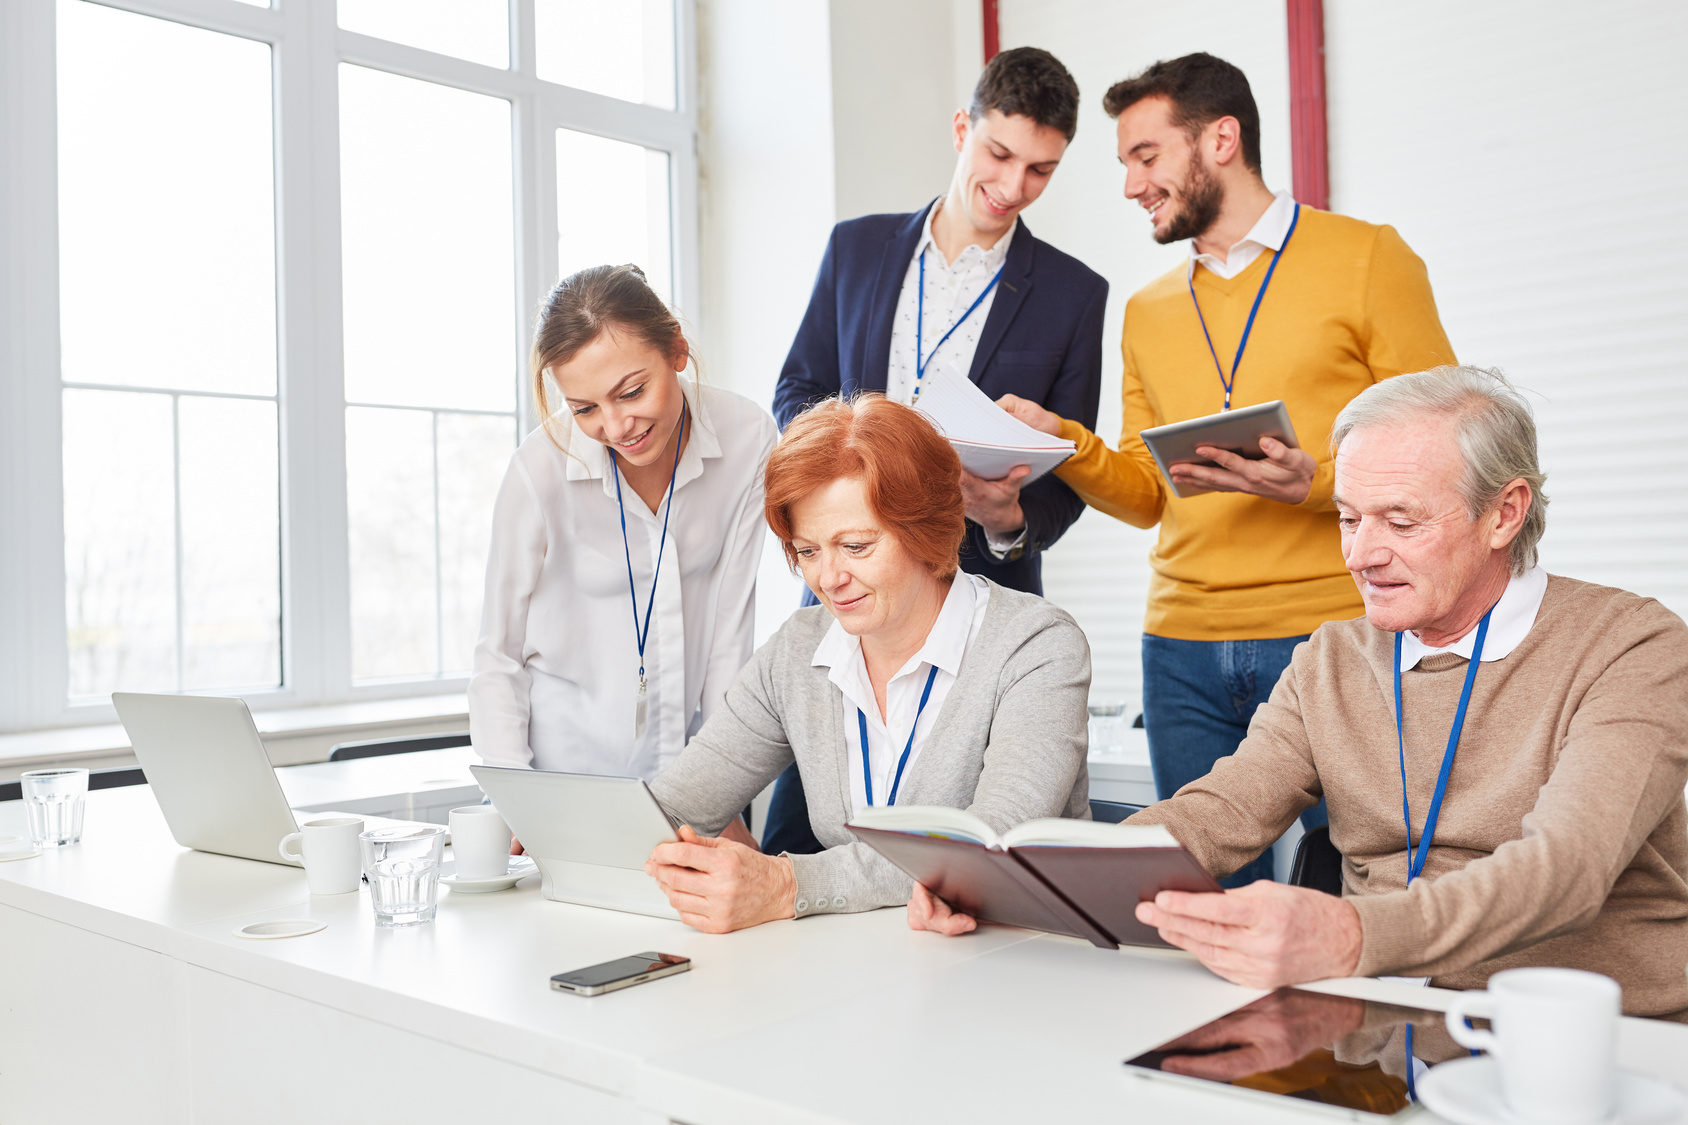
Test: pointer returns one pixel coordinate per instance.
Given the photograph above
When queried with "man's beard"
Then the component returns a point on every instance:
(1200, 197)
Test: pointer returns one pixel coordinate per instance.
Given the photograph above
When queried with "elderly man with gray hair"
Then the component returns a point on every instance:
(1503, 753)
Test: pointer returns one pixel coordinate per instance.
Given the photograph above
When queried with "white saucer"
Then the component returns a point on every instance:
(17, 847)
(269, 931)
(1467, 1092)
(520, 868)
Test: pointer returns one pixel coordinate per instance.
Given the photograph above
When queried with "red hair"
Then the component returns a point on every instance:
(912, 476)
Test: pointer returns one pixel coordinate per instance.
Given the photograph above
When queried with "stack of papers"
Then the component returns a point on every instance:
(989, 440)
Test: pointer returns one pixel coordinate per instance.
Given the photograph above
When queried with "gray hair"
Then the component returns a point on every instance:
(1497, 436)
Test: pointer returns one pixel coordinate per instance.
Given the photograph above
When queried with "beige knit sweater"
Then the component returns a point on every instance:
(1563, 837)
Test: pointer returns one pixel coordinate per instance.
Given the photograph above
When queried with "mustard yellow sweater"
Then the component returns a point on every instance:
(1350, 305)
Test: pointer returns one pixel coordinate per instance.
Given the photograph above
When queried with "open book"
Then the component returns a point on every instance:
(1076, 877)
(989, 440)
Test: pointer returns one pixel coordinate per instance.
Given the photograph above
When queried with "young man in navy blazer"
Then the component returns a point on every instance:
(987, 301)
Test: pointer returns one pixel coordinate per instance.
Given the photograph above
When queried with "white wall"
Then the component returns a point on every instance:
(809, 113)
(766, 203)
(893, 96)
(1532, 153)
(1099, 571)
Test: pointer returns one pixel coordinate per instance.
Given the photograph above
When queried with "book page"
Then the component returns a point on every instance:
(1088, 834)
(962, 412)
(993, 462)
(928, 820)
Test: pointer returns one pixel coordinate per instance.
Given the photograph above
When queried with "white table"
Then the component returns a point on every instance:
(127, 997)
(424, 785)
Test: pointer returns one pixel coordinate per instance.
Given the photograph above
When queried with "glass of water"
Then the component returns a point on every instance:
(53, 799)
(1107, 730)
(403, 866)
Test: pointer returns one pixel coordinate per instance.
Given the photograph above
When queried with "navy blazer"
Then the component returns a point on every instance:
(1042, 341)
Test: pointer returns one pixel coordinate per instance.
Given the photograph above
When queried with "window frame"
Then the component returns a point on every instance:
(307, 48)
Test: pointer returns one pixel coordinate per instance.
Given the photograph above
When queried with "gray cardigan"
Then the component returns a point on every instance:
(1009, 744)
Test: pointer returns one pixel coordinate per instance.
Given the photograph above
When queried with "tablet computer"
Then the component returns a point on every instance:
(589, 835)
(1334, 1055)
(1237, 430)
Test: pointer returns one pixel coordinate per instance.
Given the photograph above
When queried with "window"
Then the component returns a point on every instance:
(167, 274)
(252, 435)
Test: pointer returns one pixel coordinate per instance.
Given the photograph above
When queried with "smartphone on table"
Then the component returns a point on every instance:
(624, 972)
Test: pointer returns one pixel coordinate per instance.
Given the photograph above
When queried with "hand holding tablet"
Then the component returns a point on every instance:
(1252, 450)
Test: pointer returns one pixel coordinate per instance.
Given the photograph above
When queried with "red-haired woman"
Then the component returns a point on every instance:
(911, 683)
(625, 541)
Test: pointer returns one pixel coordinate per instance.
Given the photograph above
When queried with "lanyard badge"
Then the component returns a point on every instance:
(641, 632)
(867, 766)
(1249, 327)
(1416, 860)
(920, 365)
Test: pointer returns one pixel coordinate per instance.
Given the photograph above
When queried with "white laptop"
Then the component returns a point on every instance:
(208, 769)
(589, 835)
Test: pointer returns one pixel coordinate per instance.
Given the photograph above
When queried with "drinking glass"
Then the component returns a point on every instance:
(53, 800)
(1107, 729)
(403, 866)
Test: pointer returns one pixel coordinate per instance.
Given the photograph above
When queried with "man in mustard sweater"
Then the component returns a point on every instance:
(1244, 573)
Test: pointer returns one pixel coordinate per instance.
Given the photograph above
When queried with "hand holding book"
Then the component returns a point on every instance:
(1075, 877)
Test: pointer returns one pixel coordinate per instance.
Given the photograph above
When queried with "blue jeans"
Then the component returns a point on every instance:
(1198, 698)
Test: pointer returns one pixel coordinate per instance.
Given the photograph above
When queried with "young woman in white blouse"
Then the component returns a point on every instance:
(625, 542)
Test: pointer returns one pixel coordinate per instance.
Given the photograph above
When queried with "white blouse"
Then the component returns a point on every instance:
(908, 725)
(556, 671)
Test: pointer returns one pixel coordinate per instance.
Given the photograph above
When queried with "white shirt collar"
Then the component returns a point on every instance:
(589, 460)
(991, 258)
(1513, 617)
(945, 645)
(1267, 233)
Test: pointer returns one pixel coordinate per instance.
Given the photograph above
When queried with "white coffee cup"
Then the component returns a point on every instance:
(329, 850)
(480, 842)
(1555, 1037)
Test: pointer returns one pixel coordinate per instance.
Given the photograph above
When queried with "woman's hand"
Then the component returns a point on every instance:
(516, 847)
(719, 886)
(1031, 414)
(926, 911)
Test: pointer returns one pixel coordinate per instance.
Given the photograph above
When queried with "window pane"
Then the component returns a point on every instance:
(612, 207)
(390, 525)
(119, 542)
(622, 48)
(231, 549)
(428, 244)
(166, 204)
(477, 30)
(474, 451)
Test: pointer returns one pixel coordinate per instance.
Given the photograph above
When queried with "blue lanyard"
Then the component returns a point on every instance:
(920, 325)
(867, 768)
(642, 632)
(1415, 860)
(1249, 327)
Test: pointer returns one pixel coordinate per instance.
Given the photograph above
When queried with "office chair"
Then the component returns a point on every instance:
(97, 779)
(1112, 812)
(410, 744)
(1318, 865)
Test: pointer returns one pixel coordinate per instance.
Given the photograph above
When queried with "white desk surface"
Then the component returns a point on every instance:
(362, 779)
(834, 1018)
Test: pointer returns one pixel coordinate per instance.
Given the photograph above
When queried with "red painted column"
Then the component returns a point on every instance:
(993, 30)
(1309, 155)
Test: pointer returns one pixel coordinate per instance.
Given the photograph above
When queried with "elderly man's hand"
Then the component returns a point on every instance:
(995, 504)
(1263, 936)
(926, 911)
(719, 886)
(1286, 475)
